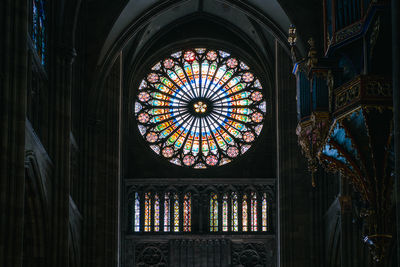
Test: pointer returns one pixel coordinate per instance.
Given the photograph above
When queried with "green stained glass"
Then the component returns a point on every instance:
(225, 213)
(213, 212)
(202, 107)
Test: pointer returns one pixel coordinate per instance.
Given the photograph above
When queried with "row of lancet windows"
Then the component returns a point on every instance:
(154, 212)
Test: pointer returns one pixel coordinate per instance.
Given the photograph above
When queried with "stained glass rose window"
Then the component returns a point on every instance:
(200, 108)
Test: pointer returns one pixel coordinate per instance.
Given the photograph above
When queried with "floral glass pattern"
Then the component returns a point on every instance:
(176, 213)
(137, 213)
(253, 212)
(167, 203)
(147, 212)
(187, 213)
(213, 212)
(200, 108)
(39, 28)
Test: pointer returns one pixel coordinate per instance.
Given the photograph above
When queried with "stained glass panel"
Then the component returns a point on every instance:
(200, 108)
(156, 213)
(264, 214)
(213, 212)
(225, 213)
(167, 217)
(253, 216)
(244, 214)
(39, 28)
(137, 213)
(234, 216)
(176, 213)
(187, 213)
(147, 212)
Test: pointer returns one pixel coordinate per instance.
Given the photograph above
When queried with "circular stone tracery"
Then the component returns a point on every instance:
(200, 108)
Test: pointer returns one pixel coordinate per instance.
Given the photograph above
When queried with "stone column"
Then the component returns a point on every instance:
(396, 109)
(13, 87)
(294, 182)
(60, 150)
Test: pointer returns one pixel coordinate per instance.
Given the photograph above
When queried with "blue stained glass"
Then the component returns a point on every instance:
(212, 107)
(137, 213)
(39, 28)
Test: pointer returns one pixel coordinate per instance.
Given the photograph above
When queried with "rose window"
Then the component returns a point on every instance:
(200, 108)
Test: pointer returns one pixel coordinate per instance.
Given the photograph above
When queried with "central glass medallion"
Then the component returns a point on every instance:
(200, 108)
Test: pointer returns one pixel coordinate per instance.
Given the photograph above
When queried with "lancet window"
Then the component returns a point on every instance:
(38, 29)
(230, 212)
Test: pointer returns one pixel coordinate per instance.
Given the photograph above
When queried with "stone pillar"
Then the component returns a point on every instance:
(13, 88)
(294, 229)
(396, 109)
(104, 158)
(60, 150)
(345, 225)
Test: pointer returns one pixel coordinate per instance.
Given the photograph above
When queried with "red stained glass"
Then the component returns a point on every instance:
(147, 212)
(187, 213)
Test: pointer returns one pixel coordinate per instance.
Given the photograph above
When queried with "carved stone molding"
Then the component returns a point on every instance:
(253, 254)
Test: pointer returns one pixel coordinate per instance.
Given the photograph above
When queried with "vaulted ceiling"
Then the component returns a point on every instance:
(117, 22)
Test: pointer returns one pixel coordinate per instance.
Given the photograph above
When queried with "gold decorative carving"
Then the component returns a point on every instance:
(348, 32)
(379, 88)
(364, 90)
(312, 54)
(311, 138)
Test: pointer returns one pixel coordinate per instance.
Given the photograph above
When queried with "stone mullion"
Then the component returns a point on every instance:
(152, 209)
(201, 213)
(142, 211)
(219, 218)
(259, 211)
(171, 212)
(229, 200)
(249, 221)
(162, 200)
(181, 212)
(240, 209)
(13, 89)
